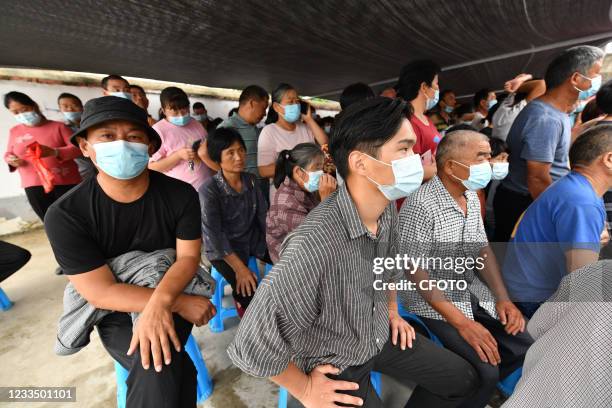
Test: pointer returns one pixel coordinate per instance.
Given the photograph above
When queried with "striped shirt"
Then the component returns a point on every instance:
(318, 304)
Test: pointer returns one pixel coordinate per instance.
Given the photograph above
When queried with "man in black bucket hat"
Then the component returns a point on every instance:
(127, 207)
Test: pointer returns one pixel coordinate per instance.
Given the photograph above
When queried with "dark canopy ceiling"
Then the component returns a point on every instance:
(318, 46)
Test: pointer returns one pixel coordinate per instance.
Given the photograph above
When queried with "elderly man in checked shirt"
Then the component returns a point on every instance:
(442, 222)
(316, 326)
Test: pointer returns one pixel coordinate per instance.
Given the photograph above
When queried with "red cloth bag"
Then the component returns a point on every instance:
(33, 153)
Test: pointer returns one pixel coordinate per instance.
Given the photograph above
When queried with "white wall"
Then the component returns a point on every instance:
(46, 97)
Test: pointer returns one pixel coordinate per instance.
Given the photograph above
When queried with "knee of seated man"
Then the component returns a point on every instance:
(466, 381)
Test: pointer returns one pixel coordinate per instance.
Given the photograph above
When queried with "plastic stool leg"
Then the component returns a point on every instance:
(122, 375)
(205, 384)
(282, 398)
(5, 302)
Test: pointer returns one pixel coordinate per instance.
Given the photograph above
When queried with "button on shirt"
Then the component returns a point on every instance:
(233, 221)
(316, 306)
(250, 135)
(432, 225)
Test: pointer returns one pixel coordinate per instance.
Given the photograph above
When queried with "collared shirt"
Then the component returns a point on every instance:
(250, 135)
(318, 304)
(289, 207)
(233, 221)
(568, 365)
(432, 225)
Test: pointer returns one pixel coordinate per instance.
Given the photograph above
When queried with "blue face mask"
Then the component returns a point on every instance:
(314, 178)
(491, 103)
(448, 109)
(124, 95)
(72, 116)
(179, 120)
(200, 118)
(595, 85)
(434, 101)
(500, 170)
(120, 159)
(292, 112)
(480, 175)
(408, 173)
(28, 118)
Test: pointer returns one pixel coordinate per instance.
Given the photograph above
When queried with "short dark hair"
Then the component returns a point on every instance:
(66, 95)
(354, 93)
(498, 146)
(253, 92)
(173, 98)
(220, 139)
(591, 111)
(604, 98)
(198, 105)
(366, 126)
(481, 94)
(461, 126)
(140, 88)
(591, 144)
(105, 80)
(576, 59)
(445, 92)
(19, 97)
(301, 156)
(413, 75)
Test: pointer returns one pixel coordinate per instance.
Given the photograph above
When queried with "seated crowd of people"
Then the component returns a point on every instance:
(411, 191)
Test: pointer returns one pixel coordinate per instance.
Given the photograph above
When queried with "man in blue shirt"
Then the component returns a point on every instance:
(560, 232)
(540, 136)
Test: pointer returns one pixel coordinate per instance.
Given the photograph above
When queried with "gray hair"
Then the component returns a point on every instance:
(590, 145)
(453, 143)
(576, 59)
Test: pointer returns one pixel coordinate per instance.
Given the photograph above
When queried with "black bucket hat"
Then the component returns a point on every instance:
(107, 108)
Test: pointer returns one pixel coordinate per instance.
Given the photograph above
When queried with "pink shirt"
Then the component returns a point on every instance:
(52, 134)
(274, 139)
(175, 138)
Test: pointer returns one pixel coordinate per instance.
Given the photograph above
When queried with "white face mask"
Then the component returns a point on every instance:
(500, 170)
(408, 173)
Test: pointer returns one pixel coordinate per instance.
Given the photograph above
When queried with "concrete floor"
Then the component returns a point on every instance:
(28, 331)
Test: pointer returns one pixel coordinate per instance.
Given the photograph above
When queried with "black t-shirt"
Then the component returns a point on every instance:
(86, 227)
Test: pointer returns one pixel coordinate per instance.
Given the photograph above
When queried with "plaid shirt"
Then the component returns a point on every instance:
(290, 205)
(432, 225)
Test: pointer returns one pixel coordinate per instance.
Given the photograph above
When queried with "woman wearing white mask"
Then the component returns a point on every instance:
(418, 84)
(300, 185)
(57, 154)
(179, 132)
(499, 166)
(287, 126)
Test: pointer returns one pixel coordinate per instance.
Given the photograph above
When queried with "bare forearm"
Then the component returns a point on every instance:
(122, 297)
(318, 133)
(537, 184)
(175, 279)
(234, 261)
(165, 164)
(266, 171)
(293, 380)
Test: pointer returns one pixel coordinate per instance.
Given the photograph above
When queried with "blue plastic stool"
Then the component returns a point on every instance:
(205, 384)
(5, 302)
(283, 394)
(216, 323)
(505, 386)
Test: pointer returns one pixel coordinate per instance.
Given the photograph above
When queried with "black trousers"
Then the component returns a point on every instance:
(508, 207)
(174, 387)
(12, 258)
(443, 378)
(512, 350)
(41, 201)
(230, 276)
